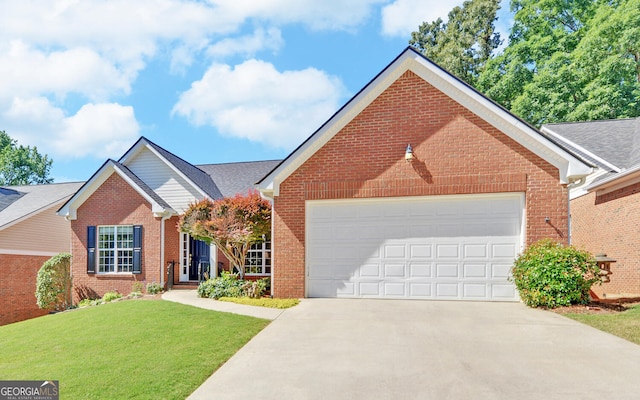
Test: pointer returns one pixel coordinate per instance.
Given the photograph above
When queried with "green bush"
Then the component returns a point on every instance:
(550, 275)
(53, 283)
(136, 287)
(110, 296)
(154, 288)
(228, 285)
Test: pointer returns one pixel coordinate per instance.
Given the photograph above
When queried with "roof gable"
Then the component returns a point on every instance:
(197, 178)
(158, 205)
(568, 164)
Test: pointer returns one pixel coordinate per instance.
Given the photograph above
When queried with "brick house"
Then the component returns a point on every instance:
(419, 187)
(605, 210)
(25, 246)
(124, 221)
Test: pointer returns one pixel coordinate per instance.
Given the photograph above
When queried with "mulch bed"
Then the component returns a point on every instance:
(595, 307)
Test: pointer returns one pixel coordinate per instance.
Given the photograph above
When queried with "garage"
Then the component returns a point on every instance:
(457, 247)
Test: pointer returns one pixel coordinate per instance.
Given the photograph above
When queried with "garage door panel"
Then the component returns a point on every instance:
(476, 291)
(369, 289)
(447, 290)
(475, 271)
(395, 289)
(444, 251)
(439, 247)
(392, 270)
(447, 270)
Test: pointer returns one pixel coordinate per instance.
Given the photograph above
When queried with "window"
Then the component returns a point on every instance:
(115, 249)
(258, 261)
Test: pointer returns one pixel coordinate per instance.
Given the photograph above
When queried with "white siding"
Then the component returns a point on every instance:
(162, 179)
(43, 232)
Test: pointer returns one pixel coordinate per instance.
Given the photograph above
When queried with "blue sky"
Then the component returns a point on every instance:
(211, 81)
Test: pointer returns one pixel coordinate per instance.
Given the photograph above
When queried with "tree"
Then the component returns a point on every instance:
(53, 283)
(462, 45)
(20, 165)
(568, 61)
(233, 224)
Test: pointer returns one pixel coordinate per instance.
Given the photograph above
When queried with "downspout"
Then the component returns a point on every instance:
(570, 186)
(165, 217)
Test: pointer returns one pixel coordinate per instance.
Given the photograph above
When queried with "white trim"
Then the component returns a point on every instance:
(582, 149)
(131, 153)
(570, 167)
(29, 252)
(69, 210)
(626, 178)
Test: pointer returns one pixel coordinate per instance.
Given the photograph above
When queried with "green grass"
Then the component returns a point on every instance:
(262, 302)
(140, 349)
(625, 324)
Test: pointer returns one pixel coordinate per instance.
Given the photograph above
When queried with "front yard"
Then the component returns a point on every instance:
(625, 324)
(130, 349)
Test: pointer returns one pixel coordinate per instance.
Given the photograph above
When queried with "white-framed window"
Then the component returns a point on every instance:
(115, 249)
(258, 261)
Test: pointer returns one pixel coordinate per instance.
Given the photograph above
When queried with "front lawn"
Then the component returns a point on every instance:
(624, 324)
(139, 349)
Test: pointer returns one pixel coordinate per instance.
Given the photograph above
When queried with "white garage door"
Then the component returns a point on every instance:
(437, 247)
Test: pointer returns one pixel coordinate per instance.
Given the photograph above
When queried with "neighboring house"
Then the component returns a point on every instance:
(353, 218)
(30, 234)
(605, 209)
(124, 221)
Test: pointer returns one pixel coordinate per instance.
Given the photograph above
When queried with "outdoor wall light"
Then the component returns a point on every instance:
(408, 155)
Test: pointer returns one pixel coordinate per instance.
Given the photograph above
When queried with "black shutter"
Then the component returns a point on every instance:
(91, 249)
(137, 249)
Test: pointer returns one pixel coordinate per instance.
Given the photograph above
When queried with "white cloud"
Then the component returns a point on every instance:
(249, 45)
(255, 101)
(100, 130)
(405, 16)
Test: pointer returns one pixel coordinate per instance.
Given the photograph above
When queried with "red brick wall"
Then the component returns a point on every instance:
(609, 224)
(455, 151)
(18, 287)
(116, 203)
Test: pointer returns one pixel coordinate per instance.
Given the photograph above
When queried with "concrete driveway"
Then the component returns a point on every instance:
(396, 349)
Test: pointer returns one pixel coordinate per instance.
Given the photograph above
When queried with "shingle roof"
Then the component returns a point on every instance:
(29, 199)
(239, 177)
(616, 141)
(195, 174)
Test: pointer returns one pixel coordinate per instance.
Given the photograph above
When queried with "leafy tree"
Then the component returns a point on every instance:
(20, 165)
(232, 224)
(568, 61)
(464, 43)
(53, 283)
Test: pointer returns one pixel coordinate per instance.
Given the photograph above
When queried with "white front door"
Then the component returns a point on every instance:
(436, 247)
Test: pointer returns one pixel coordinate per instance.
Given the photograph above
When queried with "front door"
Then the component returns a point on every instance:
(195, 259)
(200, 266)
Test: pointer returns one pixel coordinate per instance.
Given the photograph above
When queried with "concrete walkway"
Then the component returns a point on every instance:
(190, 297)
(394, 349)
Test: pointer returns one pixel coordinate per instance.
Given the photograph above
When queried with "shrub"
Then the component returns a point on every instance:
(550, 275)
(154, 288)
(226, 285)
(53, 283)
(110, 296)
